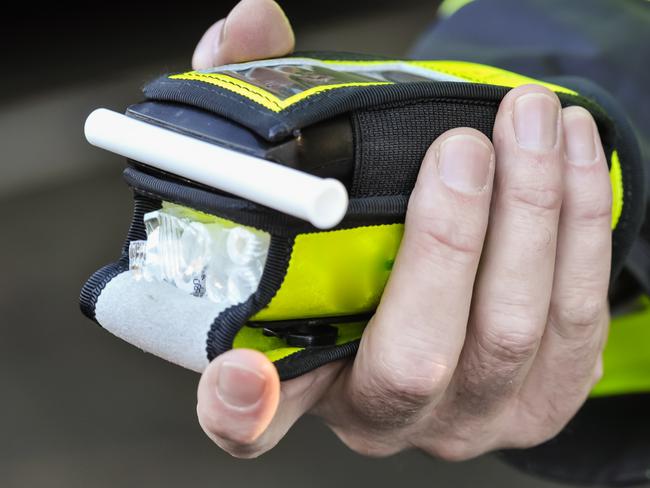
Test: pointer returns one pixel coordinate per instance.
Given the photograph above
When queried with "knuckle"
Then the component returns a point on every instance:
(596, 208)
(511, 347)
(579, 311)
(396, 395)
(592, 204)
(435, 236)
(390, 405)
(538, 200)
(414, 379)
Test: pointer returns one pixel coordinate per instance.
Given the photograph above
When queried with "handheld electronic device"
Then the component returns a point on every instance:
(218, 153)
(270, 198)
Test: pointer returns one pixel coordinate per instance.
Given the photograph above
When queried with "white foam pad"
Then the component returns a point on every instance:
(158, 318)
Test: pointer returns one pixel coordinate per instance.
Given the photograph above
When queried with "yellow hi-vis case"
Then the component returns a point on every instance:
(319, 288)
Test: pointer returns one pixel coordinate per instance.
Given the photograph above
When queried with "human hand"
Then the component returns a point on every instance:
(490, 330)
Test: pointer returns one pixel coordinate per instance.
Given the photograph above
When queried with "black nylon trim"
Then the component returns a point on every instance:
(361, 211)
(93, 287)
(137, 231)
(276, 126)
(97, 282)
(307, 360)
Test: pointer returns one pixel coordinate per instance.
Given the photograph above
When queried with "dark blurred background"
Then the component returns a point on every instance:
(80, 408)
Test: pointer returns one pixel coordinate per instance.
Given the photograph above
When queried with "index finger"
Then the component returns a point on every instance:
(410, 349)
(254, 29)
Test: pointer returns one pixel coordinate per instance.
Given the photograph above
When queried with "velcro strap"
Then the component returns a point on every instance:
(391, 140)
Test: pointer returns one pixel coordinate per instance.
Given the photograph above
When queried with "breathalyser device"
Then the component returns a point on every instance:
(269, 197)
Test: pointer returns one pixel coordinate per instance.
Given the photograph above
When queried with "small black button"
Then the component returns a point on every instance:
(306, 336)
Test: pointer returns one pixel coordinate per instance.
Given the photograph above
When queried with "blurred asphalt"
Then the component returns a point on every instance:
(80, 408)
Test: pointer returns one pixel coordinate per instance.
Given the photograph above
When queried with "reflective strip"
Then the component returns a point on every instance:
(616, 179)
(341, 272)
(627, 355)
(259, 95)
(454, 71)
(481, 73)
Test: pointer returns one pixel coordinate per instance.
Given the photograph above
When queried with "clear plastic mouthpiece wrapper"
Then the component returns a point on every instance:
(208, 258)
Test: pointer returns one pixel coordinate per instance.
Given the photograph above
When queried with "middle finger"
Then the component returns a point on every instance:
(513, 290)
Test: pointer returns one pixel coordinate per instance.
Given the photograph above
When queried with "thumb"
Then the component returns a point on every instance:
(237, 397)
(254, 29)
(242, 407)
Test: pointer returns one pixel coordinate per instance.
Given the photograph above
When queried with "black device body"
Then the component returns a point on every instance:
(324, 149)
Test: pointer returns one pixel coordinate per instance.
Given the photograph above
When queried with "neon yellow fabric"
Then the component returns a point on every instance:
(273, 347)
(616, 178)
(627, 355)
(339, 272)
(449, 7)
(276, 349)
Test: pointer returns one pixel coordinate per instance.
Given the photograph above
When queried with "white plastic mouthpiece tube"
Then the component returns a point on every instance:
(321, 201)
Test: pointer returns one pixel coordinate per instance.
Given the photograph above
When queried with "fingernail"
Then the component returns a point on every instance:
(239, 387)
(535, 120)
(464, 163)
(579, 137)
